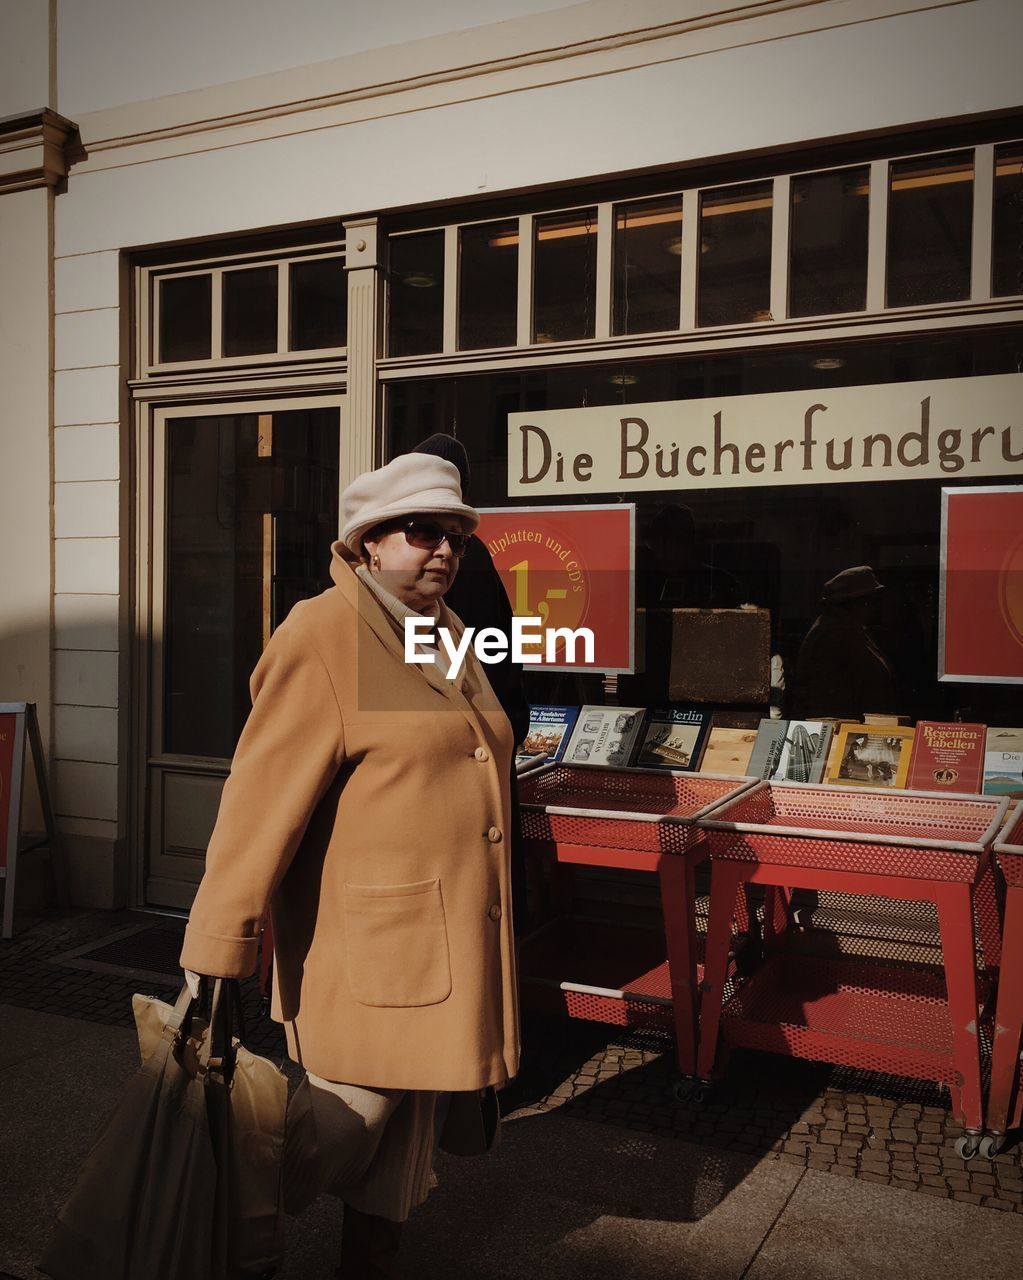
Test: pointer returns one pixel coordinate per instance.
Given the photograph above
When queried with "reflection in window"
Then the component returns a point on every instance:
(415, 310)
(735, 254)
(186, 317)
(318, 305)
(828, 242)
(251, 508)
(647, 265)
(930, 222)
(564, 276)
(488, 278)
(250, 311)
(1007, 247)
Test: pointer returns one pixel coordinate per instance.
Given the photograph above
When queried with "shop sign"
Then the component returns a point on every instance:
(894, 431)
(572, 568)
(981, 589)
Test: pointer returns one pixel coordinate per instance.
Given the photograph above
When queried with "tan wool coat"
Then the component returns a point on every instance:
(368, 806)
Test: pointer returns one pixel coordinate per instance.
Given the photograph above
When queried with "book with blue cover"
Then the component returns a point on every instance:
(550, 728)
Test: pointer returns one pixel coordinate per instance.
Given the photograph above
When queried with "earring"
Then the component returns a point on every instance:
(374, 562)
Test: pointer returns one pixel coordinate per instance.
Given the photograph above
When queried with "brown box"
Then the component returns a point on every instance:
(720, 655)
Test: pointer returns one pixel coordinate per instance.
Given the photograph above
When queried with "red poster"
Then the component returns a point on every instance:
(8, 724)
(981, 618)
(571, 567)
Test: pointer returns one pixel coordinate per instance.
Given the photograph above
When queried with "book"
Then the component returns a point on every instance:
(604, 735)
(870, 755)
(672, 738)
(728, 751)
(794, 750)
(874, 717)
(1003, 763)
(550, 728)
(947, 756)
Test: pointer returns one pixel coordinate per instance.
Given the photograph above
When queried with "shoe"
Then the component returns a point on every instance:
(369, 1247)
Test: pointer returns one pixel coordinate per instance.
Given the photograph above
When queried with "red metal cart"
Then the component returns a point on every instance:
(1005, 1096)
(639, 819)
(865, 1012)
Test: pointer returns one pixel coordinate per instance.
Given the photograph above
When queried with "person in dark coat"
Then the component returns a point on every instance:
(480, 600)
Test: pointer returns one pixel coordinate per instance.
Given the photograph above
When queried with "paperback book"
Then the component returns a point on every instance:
(1003, 763)
(604, 735)
(793, 750)
(550, 728)
(947, 756)
(673, 738)
(870, 756)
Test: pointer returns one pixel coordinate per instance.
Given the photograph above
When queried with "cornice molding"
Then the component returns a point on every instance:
(36, 150)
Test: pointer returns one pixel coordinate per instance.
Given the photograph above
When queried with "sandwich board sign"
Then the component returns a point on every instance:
(18, 725)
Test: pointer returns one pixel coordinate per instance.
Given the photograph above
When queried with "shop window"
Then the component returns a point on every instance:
(250, 311)
(828, 242)
(735, 254)
(930, 223)
(317, 304)
(488, 283)
(1007, 247)
(647, 265)
(186, 317)
(415, 312)
(564, 276)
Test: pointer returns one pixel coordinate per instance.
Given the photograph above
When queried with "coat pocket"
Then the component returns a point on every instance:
(396, 939)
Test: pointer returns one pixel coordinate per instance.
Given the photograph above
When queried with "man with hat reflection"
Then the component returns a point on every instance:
(840, 670)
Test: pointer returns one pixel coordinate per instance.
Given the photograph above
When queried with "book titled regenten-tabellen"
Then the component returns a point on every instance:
(947, 756)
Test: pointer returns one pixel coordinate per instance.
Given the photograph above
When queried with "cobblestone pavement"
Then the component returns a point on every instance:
(852, 1124)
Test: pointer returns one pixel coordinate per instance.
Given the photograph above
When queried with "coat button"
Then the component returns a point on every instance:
(495, 912)
(482, 755)
(494, 835)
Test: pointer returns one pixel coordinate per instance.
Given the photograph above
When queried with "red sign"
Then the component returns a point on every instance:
(571, 567)
(981, 619)
(8, 724)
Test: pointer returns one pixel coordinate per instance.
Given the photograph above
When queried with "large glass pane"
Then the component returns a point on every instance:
(647, 265)
(250, 311)
(488, 279)
(318, 305)
(415, 303)
(735, 254)
(1007, 247)
(828, 242)
(251, 509)
(564, 276)
(186, 318)
(930, 223)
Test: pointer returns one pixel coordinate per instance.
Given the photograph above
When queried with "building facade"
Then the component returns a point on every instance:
(247, 252)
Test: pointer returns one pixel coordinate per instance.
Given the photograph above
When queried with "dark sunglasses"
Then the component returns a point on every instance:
(428, 536)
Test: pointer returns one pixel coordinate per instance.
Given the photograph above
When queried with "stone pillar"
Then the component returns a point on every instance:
(361, 423)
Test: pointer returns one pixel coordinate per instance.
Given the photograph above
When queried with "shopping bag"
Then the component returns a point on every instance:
(143, 1206)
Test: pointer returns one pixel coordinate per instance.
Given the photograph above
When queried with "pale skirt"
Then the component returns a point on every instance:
(373, 1148)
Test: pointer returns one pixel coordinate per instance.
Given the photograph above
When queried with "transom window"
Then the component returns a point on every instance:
(248, 309)
(909, 232)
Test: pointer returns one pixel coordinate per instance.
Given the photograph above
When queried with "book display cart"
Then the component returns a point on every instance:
(639, 820)
(876, 1013)
(1005, 1096)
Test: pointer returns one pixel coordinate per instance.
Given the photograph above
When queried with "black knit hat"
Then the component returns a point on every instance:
(451, 450)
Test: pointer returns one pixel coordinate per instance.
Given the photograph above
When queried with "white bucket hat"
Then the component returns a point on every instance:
(411, 484)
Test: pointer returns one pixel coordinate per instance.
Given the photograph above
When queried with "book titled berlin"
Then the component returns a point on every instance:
(673, 738)
(947, 757)
(549, 730)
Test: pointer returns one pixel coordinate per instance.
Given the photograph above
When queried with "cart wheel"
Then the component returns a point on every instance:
(684, 1089)
(968, 1145)
(990, 1145)
(702, 1093)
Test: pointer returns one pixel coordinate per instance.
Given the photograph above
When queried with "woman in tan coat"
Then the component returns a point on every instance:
(368, 809)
